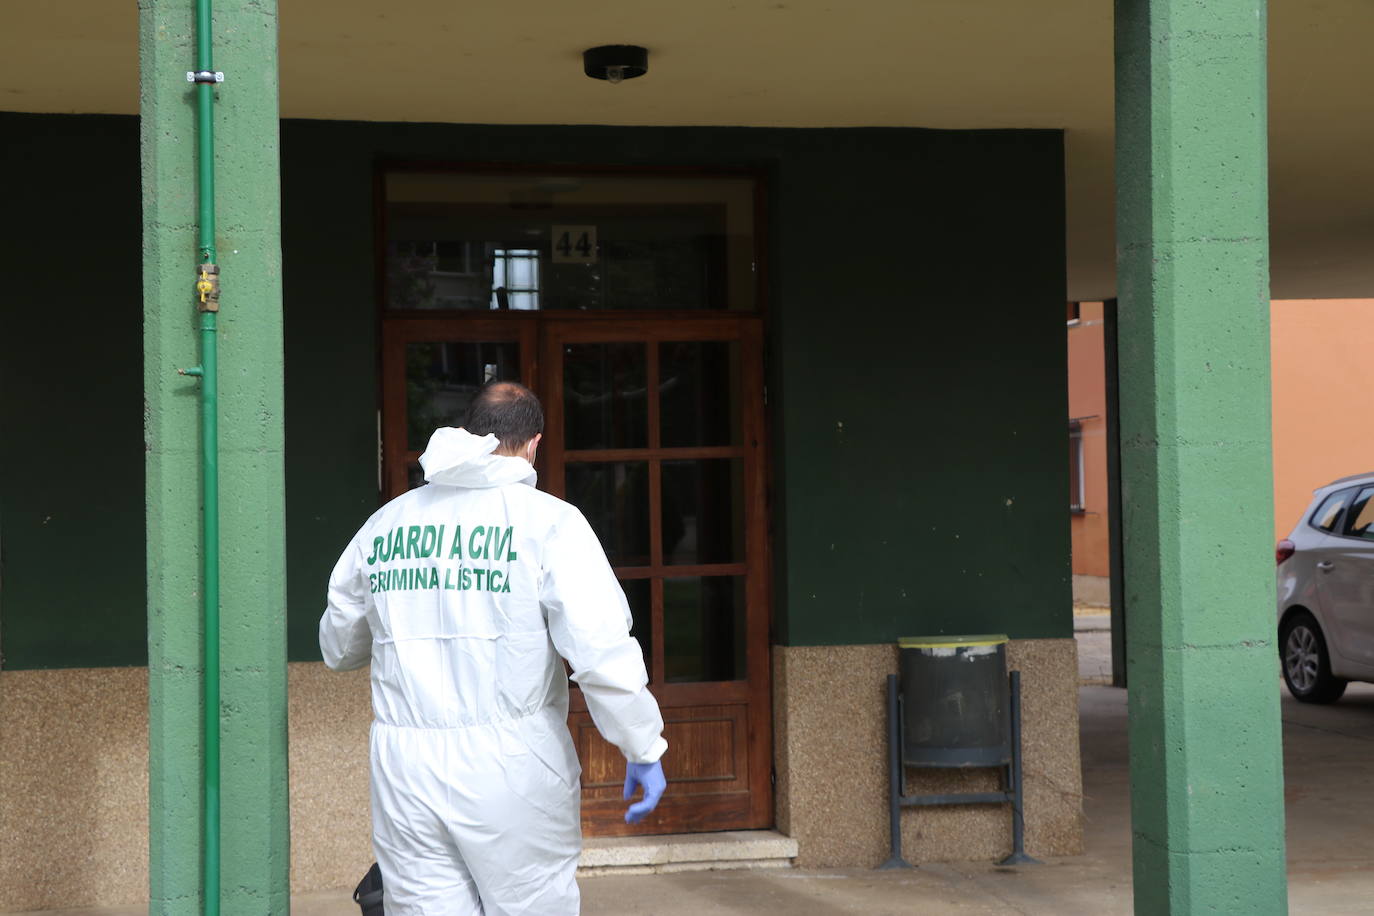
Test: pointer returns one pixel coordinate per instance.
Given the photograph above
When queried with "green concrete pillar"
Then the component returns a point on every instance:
(254, 833)
(1193, 281)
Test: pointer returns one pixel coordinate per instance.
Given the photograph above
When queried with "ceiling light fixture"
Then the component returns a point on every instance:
(615, 63)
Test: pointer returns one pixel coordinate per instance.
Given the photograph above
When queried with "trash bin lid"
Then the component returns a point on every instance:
(949, 642)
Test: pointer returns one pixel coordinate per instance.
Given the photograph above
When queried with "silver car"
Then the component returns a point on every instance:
(1326, 592)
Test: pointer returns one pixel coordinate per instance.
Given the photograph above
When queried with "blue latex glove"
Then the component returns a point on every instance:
(650, 776)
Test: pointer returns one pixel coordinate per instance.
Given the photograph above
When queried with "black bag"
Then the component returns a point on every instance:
(368, 894)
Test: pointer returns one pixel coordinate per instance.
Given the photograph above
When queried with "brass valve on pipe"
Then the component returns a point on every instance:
(207, 287)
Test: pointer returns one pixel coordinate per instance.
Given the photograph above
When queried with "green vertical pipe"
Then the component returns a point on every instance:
(209, 405)
(205, 137)
(209, 427)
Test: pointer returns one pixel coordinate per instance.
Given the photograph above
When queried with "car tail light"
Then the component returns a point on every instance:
(1283, 551)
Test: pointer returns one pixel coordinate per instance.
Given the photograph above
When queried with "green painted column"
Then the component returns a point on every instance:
(255, 829)
(1193, 282)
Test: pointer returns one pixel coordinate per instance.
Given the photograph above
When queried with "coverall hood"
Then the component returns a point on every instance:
(457, 458)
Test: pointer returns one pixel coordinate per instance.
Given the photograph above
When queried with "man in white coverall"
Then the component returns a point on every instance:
(463, 594)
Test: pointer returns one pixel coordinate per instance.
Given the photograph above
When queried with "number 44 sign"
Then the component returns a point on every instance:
(574, 244)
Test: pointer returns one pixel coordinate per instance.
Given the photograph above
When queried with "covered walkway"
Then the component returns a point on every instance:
(1330, 804)
(1178, 89)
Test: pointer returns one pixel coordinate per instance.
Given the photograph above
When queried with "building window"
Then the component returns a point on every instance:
(1076, 467)
(498, 239)
(515, 279)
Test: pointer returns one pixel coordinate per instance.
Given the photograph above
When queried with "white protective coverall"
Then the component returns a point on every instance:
(463, 594)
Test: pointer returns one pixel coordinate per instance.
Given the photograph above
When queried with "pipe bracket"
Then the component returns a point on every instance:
(204, 76)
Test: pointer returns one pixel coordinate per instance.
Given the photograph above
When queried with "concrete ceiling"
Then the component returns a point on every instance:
(793, 63)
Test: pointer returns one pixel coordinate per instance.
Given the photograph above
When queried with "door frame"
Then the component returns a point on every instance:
(397, 327)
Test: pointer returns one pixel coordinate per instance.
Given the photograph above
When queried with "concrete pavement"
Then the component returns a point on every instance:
(1092, 629)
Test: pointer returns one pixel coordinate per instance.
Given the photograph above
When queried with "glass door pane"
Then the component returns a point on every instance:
(703, 511)
(614, 496)
(703, 628)
(431, 370)
(442, 377)
(605, 396)
(699, 384)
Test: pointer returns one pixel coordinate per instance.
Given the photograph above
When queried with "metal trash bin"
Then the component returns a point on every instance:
(956, 706)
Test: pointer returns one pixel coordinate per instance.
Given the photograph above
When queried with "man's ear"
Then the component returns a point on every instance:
(533, 447)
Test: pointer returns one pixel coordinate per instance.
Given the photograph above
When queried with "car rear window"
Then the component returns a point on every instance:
(1329, 512)
(1360, 521)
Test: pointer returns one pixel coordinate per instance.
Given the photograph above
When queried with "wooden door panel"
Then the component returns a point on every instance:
(675, 814)
(709, 754)
(707, 766)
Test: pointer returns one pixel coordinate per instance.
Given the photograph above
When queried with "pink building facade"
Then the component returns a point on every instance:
(1323, 376)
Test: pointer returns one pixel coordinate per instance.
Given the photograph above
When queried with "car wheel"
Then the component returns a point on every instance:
(1306, 662)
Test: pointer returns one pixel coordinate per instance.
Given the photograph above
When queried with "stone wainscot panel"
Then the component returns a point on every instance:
(830, 737)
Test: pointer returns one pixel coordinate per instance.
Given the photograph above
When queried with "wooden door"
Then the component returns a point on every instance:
(654, 428)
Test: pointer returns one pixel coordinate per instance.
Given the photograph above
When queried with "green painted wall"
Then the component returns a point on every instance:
(917, 290)
(71, 393)
(921, 360)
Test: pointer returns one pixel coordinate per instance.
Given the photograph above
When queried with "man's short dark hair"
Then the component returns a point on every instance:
(508, 410)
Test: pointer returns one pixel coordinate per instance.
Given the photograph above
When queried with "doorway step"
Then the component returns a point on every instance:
(647, 855)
